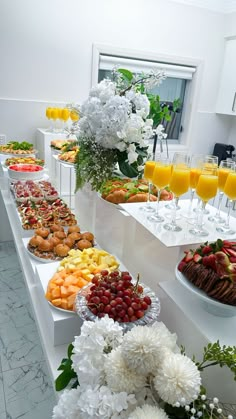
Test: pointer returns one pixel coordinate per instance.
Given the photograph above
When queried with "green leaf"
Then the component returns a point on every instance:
(126, 73)
(70, 350)
(127, 169)
(63, 379)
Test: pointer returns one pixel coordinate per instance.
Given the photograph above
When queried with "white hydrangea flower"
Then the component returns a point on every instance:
(141, 103)
(177, 378)
(119, 377)
(101, 402)
(165, 338)
(89, 349)
(148, 412)
(132, 155)
(160, 132)
(67, 405)
(104, 90)
(143, 347)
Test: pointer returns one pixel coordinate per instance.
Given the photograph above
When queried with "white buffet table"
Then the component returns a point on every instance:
(123, 232)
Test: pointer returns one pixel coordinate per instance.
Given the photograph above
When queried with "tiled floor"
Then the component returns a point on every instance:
(26, 390)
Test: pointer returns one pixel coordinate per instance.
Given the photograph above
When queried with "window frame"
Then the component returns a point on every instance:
(191, 94)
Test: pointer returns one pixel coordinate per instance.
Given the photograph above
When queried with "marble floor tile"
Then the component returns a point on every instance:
(28, 392)
(2, 399)
(11, 279)
(14, 308)
(20, 345)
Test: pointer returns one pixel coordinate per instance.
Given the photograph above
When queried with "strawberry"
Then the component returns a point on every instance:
(181, 265)
(231, 252)
(212, 261)
(232, 259)
(197, 258)
(206, 249)
(227, 243)
(189, 256)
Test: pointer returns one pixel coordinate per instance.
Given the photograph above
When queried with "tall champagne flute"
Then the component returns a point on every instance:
(179, 185)
(54, 116)
(230, 192)
(206, 189)
(226, 166)
(160, 178)
(195, 172)
(178, 157)
(49, 116)
(210, 160)
(65, 115)
(148, 172)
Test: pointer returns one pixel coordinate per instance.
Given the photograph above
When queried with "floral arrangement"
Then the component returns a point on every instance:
(142, 374)
(115, 123)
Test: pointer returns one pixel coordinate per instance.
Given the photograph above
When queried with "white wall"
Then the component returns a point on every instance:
(46, 50)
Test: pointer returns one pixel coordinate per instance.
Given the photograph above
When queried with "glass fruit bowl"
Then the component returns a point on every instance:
(150, 316)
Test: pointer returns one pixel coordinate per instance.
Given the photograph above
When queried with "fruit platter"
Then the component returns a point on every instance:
(19, 148)
(210, 272)
(34, 215)
(25, 171)
(54, 243)
(121, 191)
(34, 191)
(117, 295)
(23, 160)
(74, 272)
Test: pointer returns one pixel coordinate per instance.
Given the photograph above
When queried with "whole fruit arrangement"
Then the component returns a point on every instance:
(115, 294)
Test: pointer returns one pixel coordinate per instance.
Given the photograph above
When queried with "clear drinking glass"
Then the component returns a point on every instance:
(196, 162)
(178, 156)
(206, 189)
(226, 166)
(160, 178)
(230, 192)
(179, 185)
(148, 172)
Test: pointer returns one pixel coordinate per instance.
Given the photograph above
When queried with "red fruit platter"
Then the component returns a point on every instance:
(25, 171)
(117, 296)
(209, 272)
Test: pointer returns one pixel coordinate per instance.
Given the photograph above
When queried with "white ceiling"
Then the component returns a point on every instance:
(222, 6)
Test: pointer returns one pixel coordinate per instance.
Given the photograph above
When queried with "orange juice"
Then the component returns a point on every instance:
(180, 180)
(207, 187)
(74, 116)
(222, 176)
(65, 114)
(148, 170)
(54, 113)
(48, 112)
(161, 175)
(230, 186)
(194, 176)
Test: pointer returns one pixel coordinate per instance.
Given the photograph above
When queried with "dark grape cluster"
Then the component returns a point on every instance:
(114, 294)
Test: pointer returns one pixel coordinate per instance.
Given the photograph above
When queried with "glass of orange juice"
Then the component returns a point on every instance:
(49, 117)
(230, 192)
(225, 167)
(179, 185)
(206, 189)
(160, 178)
(195, 171)
(148, 172)
(177, 158)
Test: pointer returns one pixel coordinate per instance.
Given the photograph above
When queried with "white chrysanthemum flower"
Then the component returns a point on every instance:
(67, 405)
(144, 347)
(148, 412)
(177, 378)
(119, 377)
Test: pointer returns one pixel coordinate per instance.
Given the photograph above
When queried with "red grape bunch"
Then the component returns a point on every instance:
(115, 294)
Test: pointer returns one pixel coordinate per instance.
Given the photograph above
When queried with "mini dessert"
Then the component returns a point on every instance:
(35, 241)
(88, 236)
(74, 229)
(83, 244)
(61, 250)
(69, 242)
(60, 235)
(45, 246)
(56, 227)
(43, 232)
(54, 240)
(75, 236)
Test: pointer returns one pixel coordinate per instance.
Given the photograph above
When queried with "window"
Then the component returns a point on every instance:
(175, 86)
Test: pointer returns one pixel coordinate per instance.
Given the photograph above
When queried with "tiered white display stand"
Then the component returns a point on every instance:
(142, 247)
